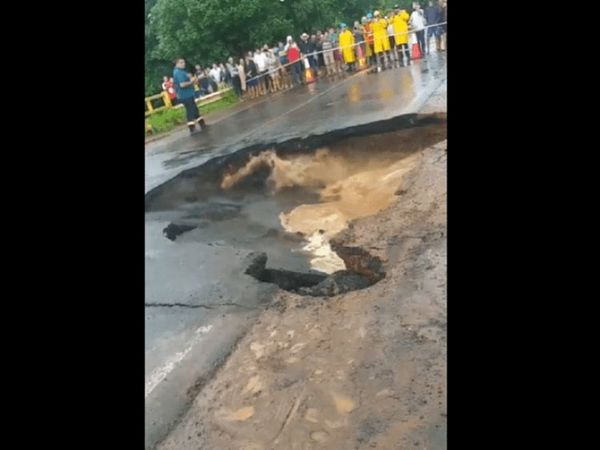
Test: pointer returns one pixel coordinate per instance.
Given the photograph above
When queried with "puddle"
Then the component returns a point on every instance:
(288, 200)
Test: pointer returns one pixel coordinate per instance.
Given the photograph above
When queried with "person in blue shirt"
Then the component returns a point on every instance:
(184, 87)
(433, 15)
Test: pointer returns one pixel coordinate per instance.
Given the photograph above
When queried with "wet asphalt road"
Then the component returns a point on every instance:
(183, 344)
(313, 109)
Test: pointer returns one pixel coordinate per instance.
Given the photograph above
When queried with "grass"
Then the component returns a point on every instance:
(169, 119)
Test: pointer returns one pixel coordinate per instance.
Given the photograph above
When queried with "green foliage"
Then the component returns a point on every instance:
(208, 31)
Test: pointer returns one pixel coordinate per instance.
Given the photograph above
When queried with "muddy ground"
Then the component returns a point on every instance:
(361, 370)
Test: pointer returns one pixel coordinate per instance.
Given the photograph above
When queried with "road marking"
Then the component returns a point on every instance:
(160, 373)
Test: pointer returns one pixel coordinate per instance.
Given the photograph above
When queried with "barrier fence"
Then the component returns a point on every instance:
(167, 104)
(356, 44)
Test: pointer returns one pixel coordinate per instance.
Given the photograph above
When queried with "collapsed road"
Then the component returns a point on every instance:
(226, 233)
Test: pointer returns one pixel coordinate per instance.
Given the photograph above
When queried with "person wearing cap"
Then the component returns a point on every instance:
(347, 46)
(288, 42)
(306, 48)
(381, 41)
(368, 38)
(401, 37)
(304, 44)
(295, 63)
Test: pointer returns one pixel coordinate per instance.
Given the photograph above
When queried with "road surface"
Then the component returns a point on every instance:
(198, 302)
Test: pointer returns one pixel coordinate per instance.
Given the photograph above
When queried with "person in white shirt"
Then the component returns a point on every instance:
(273, 67)
(288, 43)
(418, 23)
(215, 74)
(260, 59)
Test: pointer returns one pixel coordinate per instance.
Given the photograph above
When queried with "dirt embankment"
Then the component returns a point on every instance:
(361, 370)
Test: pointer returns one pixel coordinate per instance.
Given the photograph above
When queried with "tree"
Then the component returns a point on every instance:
(209, 31)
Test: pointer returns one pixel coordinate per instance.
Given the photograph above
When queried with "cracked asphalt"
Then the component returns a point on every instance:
(198, 301)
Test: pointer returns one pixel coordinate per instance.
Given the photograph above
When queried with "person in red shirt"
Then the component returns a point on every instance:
(294, 59)
(171, 91)
(168, 86)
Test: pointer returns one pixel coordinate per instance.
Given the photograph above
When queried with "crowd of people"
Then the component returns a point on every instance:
(378, 41)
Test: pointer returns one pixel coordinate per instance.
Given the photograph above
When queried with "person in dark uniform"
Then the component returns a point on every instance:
(184, 86)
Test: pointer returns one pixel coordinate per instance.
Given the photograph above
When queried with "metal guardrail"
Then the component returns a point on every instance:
(204, 100)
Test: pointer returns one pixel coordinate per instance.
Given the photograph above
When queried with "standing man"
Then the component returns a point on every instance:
(391, 36)
(260, 59)
(184, 87)
(305, 49)
(234, 72)
(401, 30)
(433, 16)
(293, 54)
(313, 60)
(347, 46)
(215, 74)
(444, 6)
(417, 22)
(368, 38)
(328, 59)
(382, 42)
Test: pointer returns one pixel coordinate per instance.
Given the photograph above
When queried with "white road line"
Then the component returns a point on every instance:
(160, 373)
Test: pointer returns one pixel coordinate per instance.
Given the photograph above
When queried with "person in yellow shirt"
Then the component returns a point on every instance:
(381, 41)
(401, 30)
(347, 46)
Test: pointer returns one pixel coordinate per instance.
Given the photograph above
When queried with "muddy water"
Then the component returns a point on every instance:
(348, 184)
(289, 201)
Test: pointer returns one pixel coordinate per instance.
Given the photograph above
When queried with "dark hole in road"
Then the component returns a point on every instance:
(279, 199)
(367, 272)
